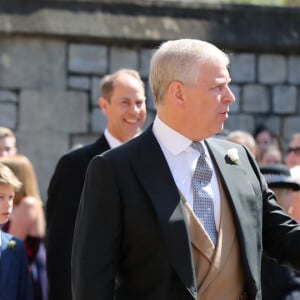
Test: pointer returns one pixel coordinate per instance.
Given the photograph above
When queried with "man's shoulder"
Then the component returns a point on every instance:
(133, 146)
(86, 152)
(223, 143)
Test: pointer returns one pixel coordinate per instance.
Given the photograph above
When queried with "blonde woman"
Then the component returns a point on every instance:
(27, 220)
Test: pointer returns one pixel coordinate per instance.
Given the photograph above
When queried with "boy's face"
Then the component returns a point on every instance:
(7, 194)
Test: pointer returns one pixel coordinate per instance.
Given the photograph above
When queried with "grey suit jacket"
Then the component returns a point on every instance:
(131, 227)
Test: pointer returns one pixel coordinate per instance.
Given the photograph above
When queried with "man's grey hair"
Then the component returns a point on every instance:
(180, 60)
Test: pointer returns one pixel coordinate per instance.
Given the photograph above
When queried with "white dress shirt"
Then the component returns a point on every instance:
(112, 141)
(182, 160)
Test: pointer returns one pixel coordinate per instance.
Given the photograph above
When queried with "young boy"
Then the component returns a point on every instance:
(15, 282)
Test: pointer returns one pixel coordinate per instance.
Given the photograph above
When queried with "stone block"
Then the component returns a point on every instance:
(272, 68)
(291, 126)
(293, 69)
(242, 67)
(123, 58)
(32, 63)
(284, 99)
(150, 118)
(149, 98)
(256, 98)
(240, 122)
(43, 149)
(273, 122)
(98, 120)
(79, 83)
(88, 59)
(145, 57)
(8, 96)
(8, 115)
(139, 21)
(53, 110)
(235, 106)
(95, 91)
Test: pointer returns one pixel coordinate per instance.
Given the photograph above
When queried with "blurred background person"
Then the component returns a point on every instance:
(264, 137)
(280, 282)
(295, 208)
(14, 280)
(123, 102)
(270, 155)
(7, 142)
(27, 220)
(293, 152)
(244, 138)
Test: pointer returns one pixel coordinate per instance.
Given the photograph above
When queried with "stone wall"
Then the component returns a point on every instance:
(54, 53)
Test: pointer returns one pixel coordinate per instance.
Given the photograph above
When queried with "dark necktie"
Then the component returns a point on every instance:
(203, 205)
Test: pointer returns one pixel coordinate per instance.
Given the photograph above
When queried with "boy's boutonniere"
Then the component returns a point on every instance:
(11, 244)
(233, 155)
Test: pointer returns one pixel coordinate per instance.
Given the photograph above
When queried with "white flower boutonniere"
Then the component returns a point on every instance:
(233, 155)
(11, 244)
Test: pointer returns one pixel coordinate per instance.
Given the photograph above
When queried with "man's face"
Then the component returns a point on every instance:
(7, 194)
(293, 156)
(7, 146)
(207, 104)
(126, 110)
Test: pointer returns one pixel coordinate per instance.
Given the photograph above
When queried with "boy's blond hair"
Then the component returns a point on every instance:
(8, 177)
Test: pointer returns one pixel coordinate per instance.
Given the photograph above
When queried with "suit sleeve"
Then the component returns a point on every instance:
(95, 260)
(280, 233)
(63, 198)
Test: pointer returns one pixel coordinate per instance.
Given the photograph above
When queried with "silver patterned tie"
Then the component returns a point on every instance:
(203, 205)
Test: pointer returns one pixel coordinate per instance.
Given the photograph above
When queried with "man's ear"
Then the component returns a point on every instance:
(103, 104)
(176, 91)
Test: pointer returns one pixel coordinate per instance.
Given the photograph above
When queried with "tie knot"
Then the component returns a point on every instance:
(198, 146)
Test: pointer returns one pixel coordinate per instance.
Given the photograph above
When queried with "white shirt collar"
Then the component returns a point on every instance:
(173, 141)
(112, 141)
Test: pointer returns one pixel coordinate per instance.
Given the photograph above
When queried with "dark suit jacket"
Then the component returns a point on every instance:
(131, 225)
(63, 198)
(15, 283)
(279, 282)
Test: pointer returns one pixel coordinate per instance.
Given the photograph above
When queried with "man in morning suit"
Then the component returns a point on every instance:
(123, 104)
(139, 232)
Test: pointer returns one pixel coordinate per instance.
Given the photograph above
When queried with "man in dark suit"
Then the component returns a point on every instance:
(123, 103)
(138, 234)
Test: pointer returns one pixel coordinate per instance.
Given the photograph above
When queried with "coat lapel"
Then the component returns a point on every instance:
(153, 172)
(199, 237)
(242, 197)
(5, 262)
